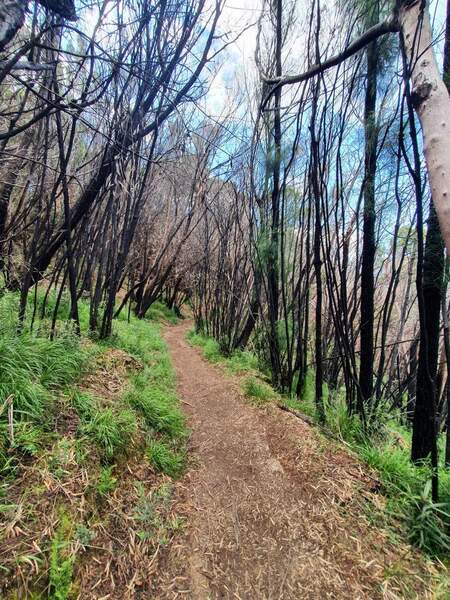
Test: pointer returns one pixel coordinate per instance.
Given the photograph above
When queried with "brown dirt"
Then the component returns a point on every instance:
(274, 511)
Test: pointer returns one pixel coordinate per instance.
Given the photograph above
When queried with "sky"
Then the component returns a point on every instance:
(239, 18)
(239, 56)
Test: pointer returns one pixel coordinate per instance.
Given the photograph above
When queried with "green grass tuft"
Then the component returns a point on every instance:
(84, 404)
(160, 312)
(257, 391)
(159, 409)
(110, 430)
(33, 371)
(242, 361)
(165, 459)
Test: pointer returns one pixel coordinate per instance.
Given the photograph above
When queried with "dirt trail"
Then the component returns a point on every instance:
(273, 511)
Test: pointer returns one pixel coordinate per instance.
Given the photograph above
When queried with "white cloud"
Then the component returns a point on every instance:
(237, 61)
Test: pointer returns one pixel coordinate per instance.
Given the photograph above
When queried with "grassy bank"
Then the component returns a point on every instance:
(409, 508)
(91, 440)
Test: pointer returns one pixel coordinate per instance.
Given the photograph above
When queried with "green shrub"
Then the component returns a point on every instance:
(106, 481)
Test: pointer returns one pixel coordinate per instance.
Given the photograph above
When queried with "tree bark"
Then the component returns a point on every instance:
(432, 105)
(424, 426)
(368, 250)
(424, 414)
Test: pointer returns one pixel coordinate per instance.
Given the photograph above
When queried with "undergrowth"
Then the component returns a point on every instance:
(239, 362)
(385, 449)
(61, 561)
(62, 429)
(407, 487)
(160, 312)
(34, 370)
(258, 392)
(165, 459)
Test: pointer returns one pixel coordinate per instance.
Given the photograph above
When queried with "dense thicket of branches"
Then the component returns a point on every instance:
(347, 256)
(308, 229)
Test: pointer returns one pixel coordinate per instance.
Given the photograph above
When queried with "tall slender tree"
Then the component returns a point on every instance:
(368, 245)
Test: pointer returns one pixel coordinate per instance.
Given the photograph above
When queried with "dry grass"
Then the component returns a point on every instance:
(60, 486)
(273, 510)
(108, 379)
(268, 510)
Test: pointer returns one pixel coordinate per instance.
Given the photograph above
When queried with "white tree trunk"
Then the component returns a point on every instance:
(432, 105)
(12, 16)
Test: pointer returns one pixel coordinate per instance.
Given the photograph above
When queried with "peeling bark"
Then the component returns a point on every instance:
(432, 105)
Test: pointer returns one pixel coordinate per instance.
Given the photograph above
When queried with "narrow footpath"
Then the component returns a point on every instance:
(272, 509)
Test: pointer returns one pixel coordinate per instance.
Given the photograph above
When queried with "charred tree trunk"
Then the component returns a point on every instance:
(368, 248)
(273, 263)
(433, 267)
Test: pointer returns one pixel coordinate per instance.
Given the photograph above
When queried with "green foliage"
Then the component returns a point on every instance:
(242, 361)
(165, 459)
(61, 563)
(45, 308)
(106, 481)
(142, 339)
(159, 409)
(84, 404)
(28, 438)
(61, 570)
(257, 391)
(111, 430)
(210, 347)
(152, 514)
(393, 465)
(160, 312)
(153, 388)
(386, 448)
(347, 427)
(39, 374)
(196, 339)
(32, 367)
(33, 370)
(430, 523)
(84, 535)
(211, 351)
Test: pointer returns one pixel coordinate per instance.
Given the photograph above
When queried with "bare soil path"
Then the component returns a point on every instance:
(273, 511)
